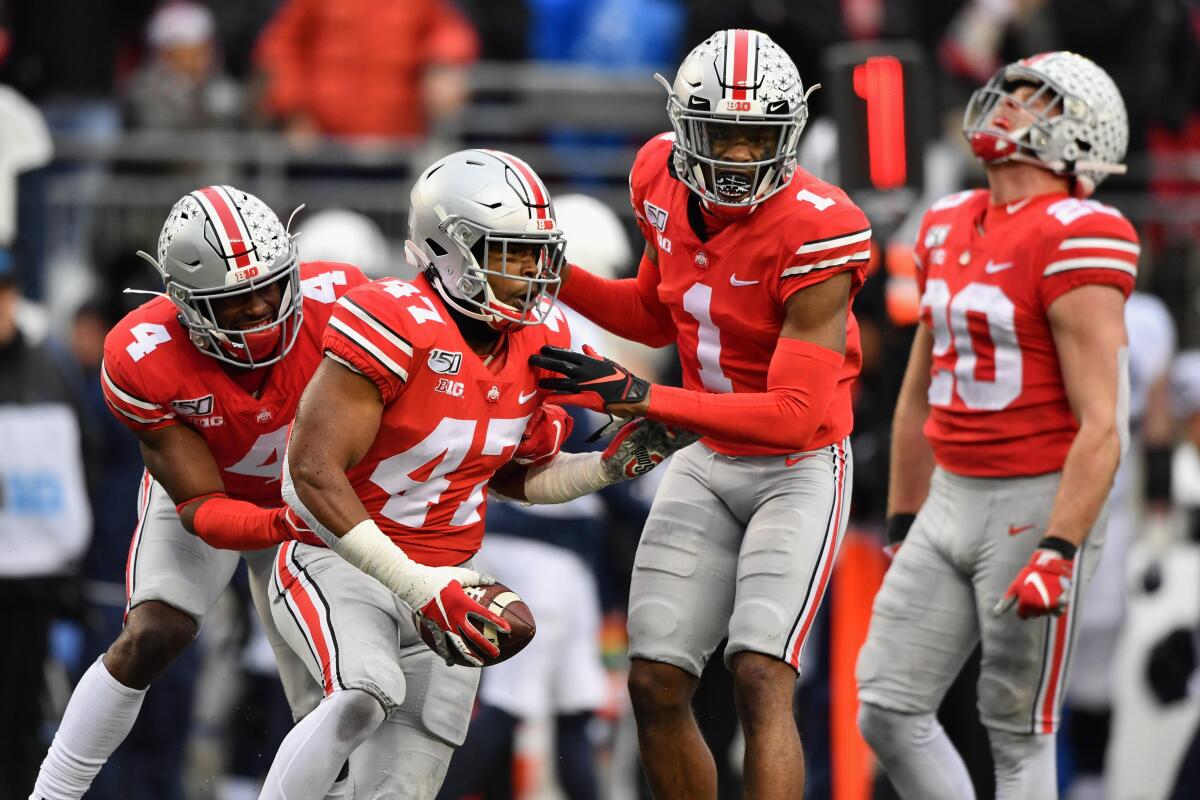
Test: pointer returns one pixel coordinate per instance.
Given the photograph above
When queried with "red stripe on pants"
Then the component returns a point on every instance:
(827, 566)
(308, 612)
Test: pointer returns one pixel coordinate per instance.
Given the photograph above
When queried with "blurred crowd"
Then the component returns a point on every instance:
(375, 79)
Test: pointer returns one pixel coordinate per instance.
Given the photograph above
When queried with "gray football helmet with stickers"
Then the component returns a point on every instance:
(737, 82)
(1080, 126)
(220, 243)
(471, 205)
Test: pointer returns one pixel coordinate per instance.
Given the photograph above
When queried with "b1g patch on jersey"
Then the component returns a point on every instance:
(449, 387)
(197, 407)
(656, 216)
(445, 362)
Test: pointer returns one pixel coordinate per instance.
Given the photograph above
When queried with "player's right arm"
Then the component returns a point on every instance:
(366, 366)
(911, 464)
(628, 307)
(176, 455)
(336, 422)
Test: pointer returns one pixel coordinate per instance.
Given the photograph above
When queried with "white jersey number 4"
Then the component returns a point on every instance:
(412, 497)
(146, 337)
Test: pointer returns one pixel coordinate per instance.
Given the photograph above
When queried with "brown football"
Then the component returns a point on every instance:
(501, 600)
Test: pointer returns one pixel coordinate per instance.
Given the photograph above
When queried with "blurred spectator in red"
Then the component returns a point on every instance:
(365, 67)
(181, 86)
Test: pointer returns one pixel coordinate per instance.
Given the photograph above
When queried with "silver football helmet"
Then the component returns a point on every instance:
(220, 243)
(1080, 127)
(738, 83)
(471, 213)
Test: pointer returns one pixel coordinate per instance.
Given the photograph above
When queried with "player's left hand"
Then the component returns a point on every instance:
(1042, 587)
(590, 380)
(640, 445)
(544, 435)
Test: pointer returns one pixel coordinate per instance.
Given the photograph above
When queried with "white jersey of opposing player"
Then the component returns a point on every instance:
(1151, 349)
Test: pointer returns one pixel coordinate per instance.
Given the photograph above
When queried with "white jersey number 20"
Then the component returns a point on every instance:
(983, 381)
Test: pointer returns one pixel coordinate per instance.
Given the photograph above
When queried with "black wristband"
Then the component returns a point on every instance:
(897, 527)
(1060, 546)
(1158, 473)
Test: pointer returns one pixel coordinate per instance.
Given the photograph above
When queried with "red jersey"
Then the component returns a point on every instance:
(988, 274)
(449, 420)
(153, 376)
(727, 294)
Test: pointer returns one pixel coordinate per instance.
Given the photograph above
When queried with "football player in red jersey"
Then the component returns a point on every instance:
(750, 266)
(416, 412)
(1007, 433)
(207, 376)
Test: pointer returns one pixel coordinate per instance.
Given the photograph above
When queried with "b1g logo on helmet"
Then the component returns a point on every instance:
(244, 274)
(445, 362)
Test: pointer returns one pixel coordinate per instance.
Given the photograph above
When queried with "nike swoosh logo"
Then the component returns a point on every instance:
(991, 267)
(791, 462)
(615, 376)
(733, 281)
(1017, 206)
(1014, 530)
(525, 398)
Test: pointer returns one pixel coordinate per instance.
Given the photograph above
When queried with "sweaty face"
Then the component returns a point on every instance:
(250, 310)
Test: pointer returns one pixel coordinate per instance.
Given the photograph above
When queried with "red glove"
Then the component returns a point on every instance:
(449, 615)
(298, 529)
(544, 435)
(1043, 586)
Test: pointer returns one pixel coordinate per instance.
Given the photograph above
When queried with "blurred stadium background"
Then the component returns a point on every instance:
(112, 109)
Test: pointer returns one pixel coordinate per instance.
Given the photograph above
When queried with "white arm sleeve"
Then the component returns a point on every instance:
(566, 477)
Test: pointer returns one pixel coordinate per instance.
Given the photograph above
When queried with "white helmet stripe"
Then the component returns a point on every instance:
(228, 222)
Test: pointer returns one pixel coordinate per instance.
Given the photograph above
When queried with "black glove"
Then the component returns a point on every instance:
(589, 379)
(1171, 664)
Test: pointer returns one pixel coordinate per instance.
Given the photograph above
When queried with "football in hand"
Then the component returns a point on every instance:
(509, 606)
